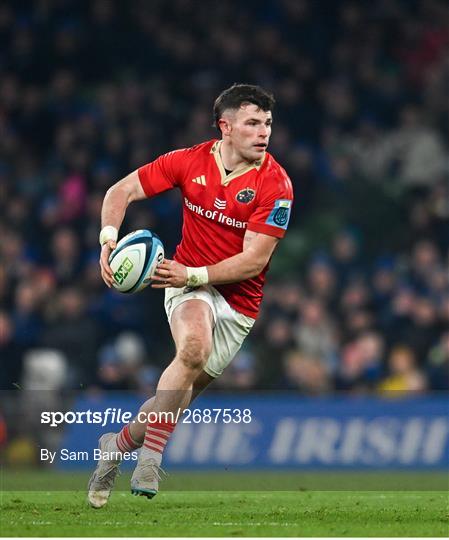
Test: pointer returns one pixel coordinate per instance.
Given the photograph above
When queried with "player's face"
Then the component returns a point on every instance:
(250, 130)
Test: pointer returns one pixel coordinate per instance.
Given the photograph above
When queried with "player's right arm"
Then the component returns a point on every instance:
(156, 177)
(115, 203)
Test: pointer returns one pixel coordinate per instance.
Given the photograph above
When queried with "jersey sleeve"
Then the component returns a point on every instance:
(272, 214)
(163, 173)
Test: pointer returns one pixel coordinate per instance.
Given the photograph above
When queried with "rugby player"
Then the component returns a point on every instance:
(236, 206)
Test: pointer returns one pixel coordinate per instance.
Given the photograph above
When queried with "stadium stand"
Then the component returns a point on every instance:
(358, 299)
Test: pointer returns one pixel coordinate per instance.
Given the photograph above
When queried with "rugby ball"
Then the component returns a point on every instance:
(134, 260)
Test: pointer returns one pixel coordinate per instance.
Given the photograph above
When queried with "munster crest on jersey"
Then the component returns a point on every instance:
(246, 195)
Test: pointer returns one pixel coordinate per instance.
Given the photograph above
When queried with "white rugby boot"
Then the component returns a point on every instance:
(146, 477)
(102, 480)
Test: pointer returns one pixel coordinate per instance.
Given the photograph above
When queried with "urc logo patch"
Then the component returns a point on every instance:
(281, 216)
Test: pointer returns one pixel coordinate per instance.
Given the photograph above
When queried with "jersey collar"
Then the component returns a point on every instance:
(226, 179)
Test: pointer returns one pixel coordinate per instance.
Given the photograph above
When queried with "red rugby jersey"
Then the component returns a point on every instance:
(219, 208)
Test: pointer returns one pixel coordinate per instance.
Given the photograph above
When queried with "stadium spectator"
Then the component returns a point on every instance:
(273, 340)
(322, 280)
(418, 150)
(75, 335)
(403, 374)
(306, 374)
(346, 255)
(315, 333)
(361, 363)
(438, 364)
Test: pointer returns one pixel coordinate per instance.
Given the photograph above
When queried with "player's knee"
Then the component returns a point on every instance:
(194, 352)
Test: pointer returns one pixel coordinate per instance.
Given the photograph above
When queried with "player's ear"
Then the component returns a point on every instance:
(225, 126)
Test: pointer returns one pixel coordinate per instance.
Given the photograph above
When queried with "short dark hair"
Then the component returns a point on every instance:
(241, 94)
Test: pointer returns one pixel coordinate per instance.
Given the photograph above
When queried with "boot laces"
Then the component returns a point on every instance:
(107, 478)
(151, 470)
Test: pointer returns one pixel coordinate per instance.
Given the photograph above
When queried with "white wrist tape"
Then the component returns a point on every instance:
(108, 233)
(197, 276)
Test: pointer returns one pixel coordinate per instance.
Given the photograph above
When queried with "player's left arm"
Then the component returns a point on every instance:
(256, 253)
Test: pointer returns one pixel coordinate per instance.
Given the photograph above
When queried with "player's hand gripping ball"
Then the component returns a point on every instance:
(133, 262)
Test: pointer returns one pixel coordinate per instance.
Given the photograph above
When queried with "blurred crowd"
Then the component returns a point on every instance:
(91, 90)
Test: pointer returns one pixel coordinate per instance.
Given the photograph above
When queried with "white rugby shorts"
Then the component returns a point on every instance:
(230, 328)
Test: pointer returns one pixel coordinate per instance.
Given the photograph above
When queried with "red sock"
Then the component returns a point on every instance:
(157, 435)
(124, 441)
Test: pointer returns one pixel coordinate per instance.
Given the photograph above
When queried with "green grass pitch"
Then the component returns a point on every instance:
(181, 511)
